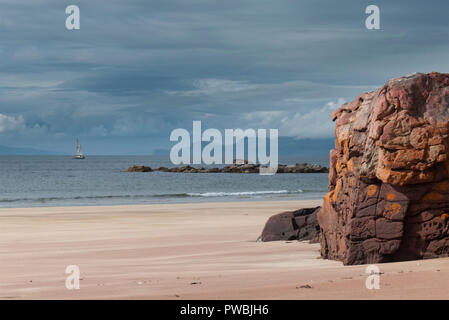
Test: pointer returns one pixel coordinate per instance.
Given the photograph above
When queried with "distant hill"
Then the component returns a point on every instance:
(24, 151)
(287, 146)
(161, 152)
(305, 147)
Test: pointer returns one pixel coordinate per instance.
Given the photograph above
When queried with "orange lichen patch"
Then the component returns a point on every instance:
(372, 189)
(391, 196)
(338, 166)
(350, 165)
(351, 182)
(327, 197)
(395, 208)
(336, 191)
(334, 196)
(432, 196)
(442, 186)
(444, 216)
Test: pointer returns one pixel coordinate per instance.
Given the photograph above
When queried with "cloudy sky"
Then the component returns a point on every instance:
(138, 69)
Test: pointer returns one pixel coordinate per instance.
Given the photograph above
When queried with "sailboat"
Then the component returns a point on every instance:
(79, 151)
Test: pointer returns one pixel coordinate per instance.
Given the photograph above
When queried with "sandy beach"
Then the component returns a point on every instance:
(186, 251)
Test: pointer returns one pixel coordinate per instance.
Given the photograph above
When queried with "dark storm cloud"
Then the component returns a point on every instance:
(138, 69)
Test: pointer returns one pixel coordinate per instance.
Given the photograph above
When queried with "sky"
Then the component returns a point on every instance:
(138, 69)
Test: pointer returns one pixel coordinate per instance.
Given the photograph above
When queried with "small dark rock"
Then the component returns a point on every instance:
(306, 286)
(301, 224)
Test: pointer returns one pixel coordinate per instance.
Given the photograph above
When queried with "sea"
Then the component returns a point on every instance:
(36, 181)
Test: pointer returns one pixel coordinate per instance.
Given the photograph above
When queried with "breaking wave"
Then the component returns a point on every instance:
(154, 196)
(242, 193)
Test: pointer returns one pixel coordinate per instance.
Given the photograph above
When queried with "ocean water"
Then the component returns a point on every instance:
(32, 181)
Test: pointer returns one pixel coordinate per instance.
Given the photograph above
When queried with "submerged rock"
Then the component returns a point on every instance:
(388, 194)
(301, 224)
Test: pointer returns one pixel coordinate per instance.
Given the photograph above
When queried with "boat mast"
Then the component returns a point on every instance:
(78, 148)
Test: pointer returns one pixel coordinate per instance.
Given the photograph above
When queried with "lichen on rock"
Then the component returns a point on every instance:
(388, 194)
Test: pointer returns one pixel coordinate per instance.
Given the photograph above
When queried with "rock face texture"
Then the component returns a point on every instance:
(301, 224)
(388, 194)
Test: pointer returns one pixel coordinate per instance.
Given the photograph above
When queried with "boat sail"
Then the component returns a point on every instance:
(79, 151)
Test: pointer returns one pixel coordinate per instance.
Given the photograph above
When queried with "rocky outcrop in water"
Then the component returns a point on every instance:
(301, 224)
(236, 168)
(139, 169)
(388, 194)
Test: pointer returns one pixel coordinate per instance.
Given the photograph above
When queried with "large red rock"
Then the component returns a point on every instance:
(388, 194)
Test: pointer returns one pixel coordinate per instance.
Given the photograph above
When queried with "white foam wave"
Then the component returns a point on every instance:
(243, 193)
